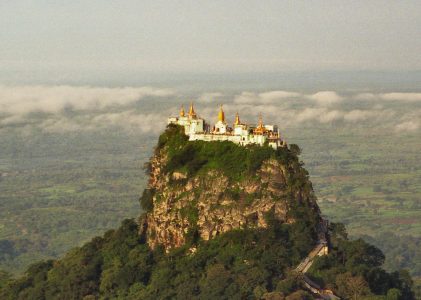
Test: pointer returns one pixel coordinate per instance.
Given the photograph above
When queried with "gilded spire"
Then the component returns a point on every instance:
(192, 114)
(260, 121)
(221, 114)
(260, 129)
(182, 113)
(237, 119)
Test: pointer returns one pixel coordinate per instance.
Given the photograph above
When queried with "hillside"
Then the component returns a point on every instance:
(221, 222)
(204, 189)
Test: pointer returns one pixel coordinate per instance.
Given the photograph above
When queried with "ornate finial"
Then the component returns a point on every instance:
(260, 121)
(182, 113)
(191, 111)
(237, 119)
(260, 129)
(221, 114)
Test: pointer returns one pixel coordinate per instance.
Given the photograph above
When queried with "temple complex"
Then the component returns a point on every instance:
(240, 133)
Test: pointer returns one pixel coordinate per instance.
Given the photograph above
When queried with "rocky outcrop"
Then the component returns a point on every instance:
(208, 204)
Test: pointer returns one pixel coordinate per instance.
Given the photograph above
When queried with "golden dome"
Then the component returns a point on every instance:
(221, 114)
(182, 113)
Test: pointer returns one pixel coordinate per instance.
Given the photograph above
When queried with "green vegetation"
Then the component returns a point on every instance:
(190, 212)
(146, 200)
(4, 278)
(352, 268)
(233, 160)
(240, 264)
(59, 192)
(404, 252)
(371, 183)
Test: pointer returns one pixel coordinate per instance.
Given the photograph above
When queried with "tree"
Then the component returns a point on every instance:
(351, 287)
(299, 295)
(394, 294)
(295, 149)
(146, 201)
(216, 283)
(4, 278)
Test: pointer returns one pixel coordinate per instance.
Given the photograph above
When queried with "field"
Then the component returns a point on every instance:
(371, 183)
(55, 199)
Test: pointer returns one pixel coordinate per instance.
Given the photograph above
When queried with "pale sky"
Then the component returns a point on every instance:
(84, 39)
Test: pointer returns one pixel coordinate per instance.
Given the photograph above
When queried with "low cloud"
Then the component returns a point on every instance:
(127, 120)
(264, 98)
(96, 108)
(63, 125)
(375, 116)
(276, 95)
(21, 100)
(209, 97)
(331, 116)
(402, 96)
(366, 96)
(91, 104)
(321, 115)
(357, 115)
(288, 117)
(294, 117)
(408, 97)
(146, 123)
(407, 126)
(309, 114)
(12, 120)
(326, 97)
(322, 98)
(246, 98)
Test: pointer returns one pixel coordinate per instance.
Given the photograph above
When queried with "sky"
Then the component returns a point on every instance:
(68, 41)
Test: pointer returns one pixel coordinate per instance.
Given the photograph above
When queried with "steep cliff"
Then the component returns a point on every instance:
(202, 189)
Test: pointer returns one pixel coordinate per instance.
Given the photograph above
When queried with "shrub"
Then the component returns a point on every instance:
(146, 201)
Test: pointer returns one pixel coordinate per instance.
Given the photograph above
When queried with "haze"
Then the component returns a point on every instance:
(134, 41)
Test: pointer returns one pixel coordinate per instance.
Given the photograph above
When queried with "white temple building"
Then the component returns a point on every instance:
(243, 134)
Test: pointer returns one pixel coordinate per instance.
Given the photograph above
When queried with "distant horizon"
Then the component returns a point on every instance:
(132, 42)
(380, 81)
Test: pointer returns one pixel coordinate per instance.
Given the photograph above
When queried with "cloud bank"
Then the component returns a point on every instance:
(21, 100)
(408, 126)
(322, 98)
(68, 108)
(127, 120)
(265, 97)
(408, 97)
(326, 97)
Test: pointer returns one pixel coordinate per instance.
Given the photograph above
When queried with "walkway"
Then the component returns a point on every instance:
(320, 250)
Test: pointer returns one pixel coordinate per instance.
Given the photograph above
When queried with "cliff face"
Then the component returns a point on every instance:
(184, 206)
